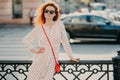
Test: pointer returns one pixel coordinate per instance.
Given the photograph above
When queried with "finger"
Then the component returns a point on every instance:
(77, 60)
(42, 49)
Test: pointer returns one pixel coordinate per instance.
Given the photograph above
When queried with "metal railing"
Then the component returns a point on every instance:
(83, 70)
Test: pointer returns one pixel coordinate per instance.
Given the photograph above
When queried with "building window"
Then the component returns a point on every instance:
(17, 8)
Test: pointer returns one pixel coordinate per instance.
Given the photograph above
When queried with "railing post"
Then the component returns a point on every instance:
(116, 66)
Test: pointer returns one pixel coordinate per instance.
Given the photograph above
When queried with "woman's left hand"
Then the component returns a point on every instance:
(75, 59)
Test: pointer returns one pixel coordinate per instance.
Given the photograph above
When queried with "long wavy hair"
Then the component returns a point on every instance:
(39, 15)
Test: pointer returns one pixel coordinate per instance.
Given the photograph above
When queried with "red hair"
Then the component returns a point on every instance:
(39, 16)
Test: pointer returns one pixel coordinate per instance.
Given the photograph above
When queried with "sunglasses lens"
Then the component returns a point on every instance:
(46, 11)
(50, 11)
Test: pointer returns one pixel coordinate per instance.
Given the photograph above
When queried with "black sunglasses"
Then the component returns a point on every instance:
(50, 11)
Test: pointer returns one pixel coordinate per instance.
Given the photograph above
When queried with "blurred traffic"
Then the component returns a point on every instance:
(94, 22)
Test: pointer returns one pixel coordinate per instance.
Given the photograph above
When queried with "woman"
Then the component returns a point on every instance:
(43, 66)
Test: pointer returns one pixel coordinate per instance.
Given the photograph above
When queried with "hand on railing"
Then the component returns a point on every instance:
(74, 59)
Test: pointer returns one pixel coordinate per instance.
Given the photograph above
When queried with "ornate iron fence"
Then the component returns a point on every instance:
(83, 70)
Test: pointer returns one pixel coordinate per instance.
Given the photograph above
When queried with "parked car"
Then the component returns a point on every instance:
(117, 16)
(98, 6)
(91, 26)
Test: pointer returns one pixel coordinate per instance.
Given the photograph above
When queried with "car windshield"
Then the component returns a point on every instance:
(88, 19)
(100, 20)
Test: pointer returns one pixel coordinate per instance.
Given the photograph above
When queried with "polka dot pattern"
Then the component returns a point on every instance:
(43, 65)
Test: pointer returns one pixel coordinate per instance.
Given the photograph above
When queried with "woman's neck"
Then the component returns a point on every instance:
(49, 22)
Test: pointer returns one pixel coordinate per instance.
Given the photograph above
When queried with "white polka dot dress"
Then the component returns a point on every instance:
(43, 65)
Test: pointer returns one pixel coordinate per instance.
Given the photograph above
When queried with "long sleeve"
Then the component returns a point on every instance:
(65, 42)
(27, 40)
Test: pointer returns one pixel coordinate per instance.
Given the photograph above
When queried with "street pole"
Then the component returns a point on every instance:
(116, 66)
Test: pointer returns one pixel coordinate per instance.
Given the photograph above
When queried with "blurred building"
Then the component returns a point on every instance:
(113, 4)
(18, 11)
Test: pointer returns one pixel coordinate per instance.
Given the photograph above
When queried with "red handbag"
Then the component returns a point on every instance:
(57, 65)
(57, 68)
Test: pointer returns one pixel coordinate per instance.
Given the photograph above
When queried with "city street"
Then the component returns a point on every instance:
(11, 46)
(92, 28)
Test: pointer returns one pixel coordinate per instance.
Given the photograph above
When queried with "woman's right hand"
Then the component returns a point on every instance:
(38, 51)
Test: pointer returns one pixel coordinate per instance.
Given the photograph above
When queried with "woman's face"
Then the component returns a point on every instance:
(49, 12)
